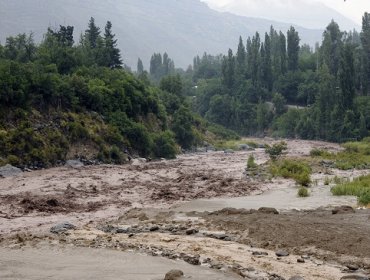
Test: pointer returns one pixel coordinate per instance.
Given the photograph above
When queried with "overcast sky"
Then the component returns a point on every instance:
(352, 9)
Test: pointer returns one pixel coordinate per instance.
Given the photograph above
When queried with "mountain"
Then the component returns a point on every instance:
(306, 13)
(183, 28)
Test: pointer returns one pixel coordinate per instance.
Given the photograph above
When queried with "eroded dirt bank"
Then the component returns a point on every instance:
(149, 208)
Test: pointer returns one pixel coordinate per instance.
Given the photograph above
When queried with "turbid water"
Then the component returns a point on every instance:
(85, 263)
(282, 199)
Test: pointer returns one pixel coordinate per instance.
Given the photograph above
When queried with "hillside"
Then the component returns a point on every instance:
(289, 11)
(183, 28)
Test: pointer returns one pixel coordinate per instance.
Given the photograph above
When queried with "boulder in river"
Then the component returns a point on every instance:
(354, 277)
(74, 163)
(174, 274)
(343, 210)
(268, 210)
(281, 253)
(61, 228)
(9, 171)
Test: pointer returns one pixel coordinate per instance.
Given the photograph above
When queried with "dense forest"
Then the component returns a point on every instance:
(64, 99)
(275, 86)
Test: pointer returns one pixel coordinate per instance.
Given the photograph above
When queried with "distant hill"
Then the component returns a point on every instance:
(183, 28)
(306, 13)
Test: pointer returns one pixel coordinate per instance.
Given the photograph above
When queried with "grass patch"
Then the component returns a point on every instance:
(359, 187)
(293, 169)
(303, 192)
(356, 155)
(235, 144)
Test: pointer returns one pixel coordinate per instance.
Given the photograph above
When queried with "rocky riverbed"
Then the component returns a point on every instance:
(149, 218)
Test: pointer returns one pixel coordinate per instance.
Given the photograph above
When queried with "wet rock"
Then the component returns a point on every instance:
(276, 277)
(194, 260)
(174, 275)
(257, 253)
(220, 236)
(74, 163)
(154, 228)
(191, 231)
(352, 267)
(107, 228)
(61, 228)
(296, 278)
(268, 210)
(343, 210)
(245, 147)
(354, 277)
(281, 253)
(9, 171)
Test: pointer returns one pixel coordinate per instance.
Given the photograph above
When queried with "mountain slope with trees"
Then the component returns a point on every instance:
(182, 28)
(273, 85)
(61, 100)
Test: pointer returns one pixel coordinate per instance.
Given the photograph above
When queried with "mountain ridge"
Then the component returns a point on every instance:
(181, 28)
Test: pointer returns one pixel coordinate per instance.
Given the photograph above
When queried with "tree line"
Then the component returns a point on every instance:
(274, 85)
(62, 93)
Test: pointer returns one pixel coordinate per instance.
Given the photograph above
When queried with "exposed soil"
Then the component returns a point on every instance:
(138, 208)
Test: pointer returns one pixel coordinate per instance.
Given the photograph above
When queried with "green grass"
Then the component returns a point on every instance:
(303, 192)
(251, 164)
(356, 155)
(234, 144)
(294, 169)
(359, 187)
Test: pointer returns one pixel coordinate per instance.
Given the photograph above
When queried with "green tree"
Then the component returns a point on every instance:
(182, 127)
(21, 48)
(347, 78)
(325, 101)
(240, 60)
(279, 104)
(112, 56)
(92, 34)
(228, 70)
(172, 84)
(365, 40)
(293, 49)
(140, 67)
(267, 64)
(331, 47)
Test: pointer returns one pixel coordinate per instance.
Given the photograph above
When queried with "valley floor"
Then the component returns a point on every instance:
(143, 219)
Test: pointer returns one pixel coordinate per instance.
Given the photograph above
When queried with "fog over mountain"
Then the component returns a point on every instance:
(307, 13)
(183, 28)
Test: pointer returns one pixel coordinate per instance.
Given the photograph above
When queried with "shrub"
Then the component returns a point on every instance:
(303, 179)
(251, 164)
(299, 171)
(303, 192)
(318, 152)
(164, 145)
(276, 150)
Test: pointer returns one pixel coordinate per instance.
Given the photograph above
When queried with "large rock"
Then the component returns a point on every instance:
(268, 210)
(9, 171)
(174, 274)
(281, 253)
(61, 228)
(355, 277)
(343, 210)
(74, 163)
